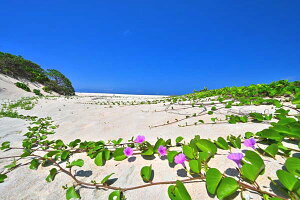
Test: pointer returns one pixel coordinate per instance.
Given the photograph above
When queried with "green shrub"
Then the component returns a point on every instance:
(23, 86)
(18, 67)
(37, 92)
(47, 89)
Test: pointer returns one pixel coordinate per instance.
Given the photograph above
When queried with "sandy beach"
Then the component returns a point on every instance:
(92, 116)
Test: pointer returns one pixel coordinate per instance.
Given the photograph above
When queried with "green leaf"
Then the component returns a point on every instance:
(236, 143)
(288, 180)
(12, 165)
(292, 165)
(115, 195)
(2, 177)
(179, 139)
(65, 155)
(117, 142)
(270, 134)
(26, 153)
(72, 194)
(171, 155)
(106, 178)
(149, 151)
(78, 163)
(221, 143)
(119, 154)
(195, 166)
(99, 161)
(158, 143)
(207, 146)
(253, 166)
(173, 193)
(74, 143)
(213, 178)
(188, 151)
(248, 135)
(296, 100)
(203, 156)
(5, 145)
(51, 153)
(34, 164)
(146, 173)
(106, 154)
(272, 150)
(227, 187)
(182, 191)
(52, 175)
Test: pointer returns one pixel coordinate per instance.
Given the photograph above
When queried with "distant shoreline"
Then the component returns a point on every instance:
(115, 94)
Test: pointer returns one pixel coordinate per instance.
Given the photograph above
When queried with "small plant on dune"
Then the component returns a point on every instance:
(46, 89)
(23, 86)
(37, 92)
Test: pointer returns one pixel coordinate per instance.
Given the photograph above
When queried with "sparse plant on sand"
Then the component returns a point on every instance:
(23, 86)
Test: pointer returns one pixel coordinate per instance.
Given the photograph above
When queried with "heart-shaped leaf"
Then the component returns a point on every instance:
(158, 143)
(34, 164)
(171, 155)
(182, 191)
(288, 180)
(207, 146)
(292, 165)
(195, 166)
(119, 154)
(253, 166)
(179, 139)
(115, 195)
(99, 160)
(227, 187)
(221, 143)
(78, 163)
(272, 150)
(146, 173)
(213, 178)
(188, 151)
(72, 194)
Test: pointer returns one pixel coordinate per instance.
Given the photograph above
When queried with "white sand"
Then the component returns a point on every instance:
(78, 118)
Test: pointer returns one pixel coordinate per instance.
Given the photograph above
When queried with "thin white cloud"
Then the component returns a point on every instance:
(127, 32)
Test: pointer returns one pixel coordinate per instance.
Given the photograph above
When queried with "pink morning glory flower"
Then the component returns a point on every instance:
(162, 150)
(180, 159)
(139, 139)
(236, 157)
(128, 151)
(250, 143)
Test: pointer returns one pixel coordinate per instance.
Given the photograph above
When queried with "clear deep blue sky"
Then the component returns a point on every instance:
(154, 46)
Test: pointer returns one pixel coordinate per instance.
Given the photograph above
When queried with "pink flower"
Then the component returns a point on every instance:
(139, 139)
(250, 143)
(162, 150)
(128, 151)
(236, 157)
(180, 159)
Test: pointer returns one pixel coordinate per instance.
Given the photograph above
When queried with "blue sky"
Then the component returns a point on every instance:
(156, 47)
